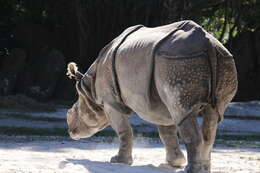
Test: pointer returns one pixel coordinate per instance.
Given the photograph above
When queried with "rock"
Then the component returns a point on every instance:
(42, 74)
(244, 47)
(41, 43)
(11, 66)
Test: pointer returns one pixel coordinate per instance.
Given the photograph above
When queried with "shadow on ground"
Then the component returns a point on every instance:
(100, 167)
(60, 144)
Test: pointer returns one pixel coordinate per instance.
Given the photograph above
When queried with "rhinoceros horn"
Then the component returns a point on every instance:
(72, 71)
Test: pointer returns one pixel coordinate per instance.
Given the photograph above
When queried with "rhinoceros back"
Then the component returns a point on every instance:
(135, 62)
(126, 71)
(106, 83)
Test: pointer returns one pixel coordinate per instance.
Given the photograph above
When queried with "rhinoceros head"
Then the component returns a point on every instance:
(85, 118)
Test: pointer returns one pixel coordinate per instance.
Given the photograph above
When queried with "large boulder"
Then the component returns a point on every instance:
(42, 74)
(38, 41)
(11, 67)
(245, 48)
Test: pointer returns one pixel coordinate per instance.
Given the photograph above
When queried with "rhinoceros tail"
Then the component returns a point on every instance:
(213, 65)
(72, 71)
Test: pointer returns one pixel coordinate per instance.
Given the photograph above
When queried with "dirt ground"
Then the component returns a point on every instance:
(54, 155)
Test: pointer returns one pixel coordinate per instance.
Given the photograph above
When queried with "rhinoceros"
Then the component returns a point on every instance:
(168, 75)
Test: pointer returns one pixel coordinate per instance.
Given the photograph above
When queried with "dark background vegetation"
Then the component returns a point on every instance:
(39, 37)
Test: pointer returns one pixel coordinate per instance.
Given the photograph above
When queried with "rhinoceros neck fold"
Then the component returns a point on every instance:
(107, 86)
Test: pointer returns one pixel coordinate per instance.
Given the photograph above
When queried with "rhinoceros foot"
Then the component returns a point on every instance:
(176, 158)
(198, 168)
(120, 159)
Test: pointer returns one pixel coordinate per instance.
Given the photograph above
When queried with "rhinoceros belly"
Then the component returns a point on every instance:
(159, 115)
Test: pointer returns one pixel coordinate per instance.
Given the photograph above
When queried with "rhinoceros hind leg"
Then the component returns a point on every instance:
(198, 150)
(174, 155)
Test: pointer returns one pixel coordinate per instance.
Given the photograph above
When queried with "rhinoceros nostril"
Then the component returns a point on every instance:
(74, 131)
(69, 111)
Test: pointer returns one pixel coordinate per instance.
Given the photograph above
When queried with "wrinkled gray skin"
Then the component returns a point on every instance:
(167, 75)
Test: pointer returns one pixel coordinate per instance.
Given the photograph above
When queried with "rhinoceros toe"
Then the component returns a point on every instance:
(176, 158)
(121, 159)
(198, 168)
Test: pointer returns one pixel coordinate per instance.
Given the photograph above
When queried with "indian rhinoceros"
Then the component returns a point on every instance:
(167, 75)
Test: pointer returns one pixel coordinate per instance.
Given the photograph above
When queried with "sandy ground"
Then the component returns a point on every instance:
(58, 155)
(24, 155)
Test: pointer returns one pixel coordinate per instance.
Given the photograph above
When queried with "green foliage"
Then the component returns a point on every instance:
(224, 18)
(228, 18)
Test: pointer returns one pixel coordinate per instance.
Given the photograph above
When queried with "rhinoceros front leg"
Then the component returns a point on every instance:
(121, 125)
(174, 155)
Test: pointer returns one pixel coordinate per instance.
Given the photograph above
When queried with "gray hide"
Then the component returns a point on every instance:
(126, 66)
(167, 75)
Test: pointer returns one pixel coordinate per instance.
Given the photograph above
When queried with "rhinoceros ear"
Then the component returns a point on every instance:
(72, 71)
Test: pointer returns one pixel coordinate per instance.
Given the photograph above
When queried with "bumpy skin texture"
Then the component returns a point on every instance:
(167, 75)
(185, 84)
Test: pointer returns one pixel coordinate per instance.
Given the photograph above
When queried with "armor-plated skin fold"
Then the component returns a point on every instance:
(167, 75)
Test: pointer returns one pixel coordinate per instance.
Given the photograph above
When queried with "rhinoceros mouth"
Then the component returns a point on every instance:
(103, 126)
(74, 137)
